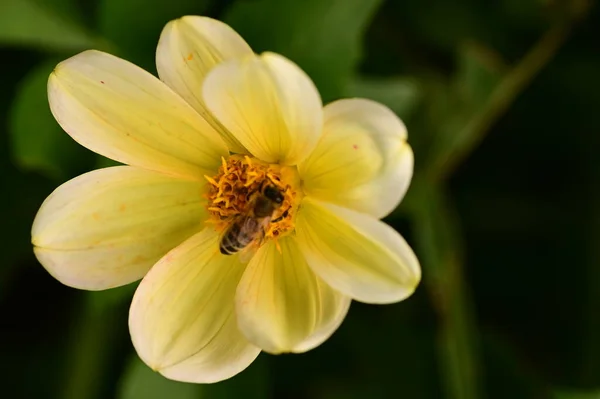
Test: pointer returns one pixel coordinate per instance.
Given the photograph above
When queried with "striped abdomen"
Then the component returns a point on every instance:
(240, 235)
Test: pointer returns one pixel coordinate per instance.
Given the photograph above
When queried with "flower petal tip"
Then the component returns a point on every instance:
(156, 368)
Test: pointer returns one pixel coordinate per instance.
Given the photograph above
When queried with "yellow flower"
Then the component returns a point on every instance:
(203, 146)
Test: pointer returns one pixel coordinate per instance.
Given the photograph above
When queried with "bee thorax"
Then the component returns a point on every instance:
(250, 202)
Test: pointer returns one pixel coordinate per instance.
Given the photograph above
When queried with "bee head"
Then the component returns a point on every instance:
(274, 194)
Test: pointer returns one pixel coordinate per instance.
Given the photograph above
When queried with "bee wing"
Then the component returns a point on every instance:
(247, 253)
(249, 227)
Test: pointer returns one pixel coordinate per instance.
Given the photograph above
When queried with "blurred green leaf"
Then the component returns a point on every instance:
(402, 95)
(67, 8)
(95, 341)
(439, 243)
(526, 14)
(37, 141)
(114, 297)
(467, 127)
(479, 72)
(140, 382)
(376, 354)
(444, 23)
(36, 24)
(94, 345)
(576, 394)
(136, 24)
(455, 104)
(252, 383)
(506, 374)
(308, 32)
(70, 10)
(103, 162)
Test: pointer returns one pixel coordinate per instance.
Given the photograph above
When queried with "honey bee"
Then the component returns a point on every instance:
(247, 228)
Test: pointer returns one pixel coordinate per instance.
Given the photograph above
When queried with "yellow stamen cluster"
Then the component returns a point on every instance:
(233, 189)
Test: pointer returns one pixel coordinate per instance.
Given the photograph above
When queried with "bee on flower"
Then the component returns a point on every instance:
(250, 211)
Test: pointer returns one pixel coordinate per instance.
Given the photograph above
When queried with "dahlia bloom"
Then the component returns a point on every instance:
(198, 146)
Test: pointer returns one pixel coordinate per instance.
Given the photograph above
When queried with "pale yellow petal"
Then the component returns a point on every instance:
(355, 253)
(107, 228)
(122, 112)
(363, 161)
(269, 104)
(188, 49)
(282, 306)
(182, 318)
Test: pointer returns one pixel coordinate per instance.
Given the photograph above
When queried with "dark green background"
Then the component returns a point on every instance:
(502, 103)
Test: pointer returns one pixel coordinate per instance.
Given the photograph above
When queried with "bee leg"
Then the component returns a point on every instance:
(283, 215)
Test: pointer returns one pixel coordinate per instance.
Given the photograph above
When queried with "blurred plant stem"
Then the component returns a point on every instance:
(438, 231)
(515, 81)
(94, 338)
(590, 346)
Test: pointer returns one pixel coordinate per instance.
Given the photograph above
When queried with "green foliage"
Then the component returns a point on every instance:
(322, 36)
(137, 38)
(99, 301)
(36, 24)
(479, 71)
(402, 95)
(459, 101)
(253, 383)
(140, 382)
(569, 394)
(38, 142)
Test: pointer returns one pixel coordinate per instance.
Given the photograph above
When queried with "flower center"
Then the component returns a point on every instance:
(250, 201)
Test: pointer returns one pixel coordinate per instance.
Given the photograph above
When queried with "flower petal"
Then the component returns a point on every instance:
(282, 306)
(363, 161)
(182, 318)
(188, 48)
(106, 228)
(355, 253)
(122, 112)
(269, 104)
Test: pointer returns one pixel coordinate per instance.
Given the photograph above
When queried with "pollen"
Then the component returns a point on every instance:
(232, 192)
